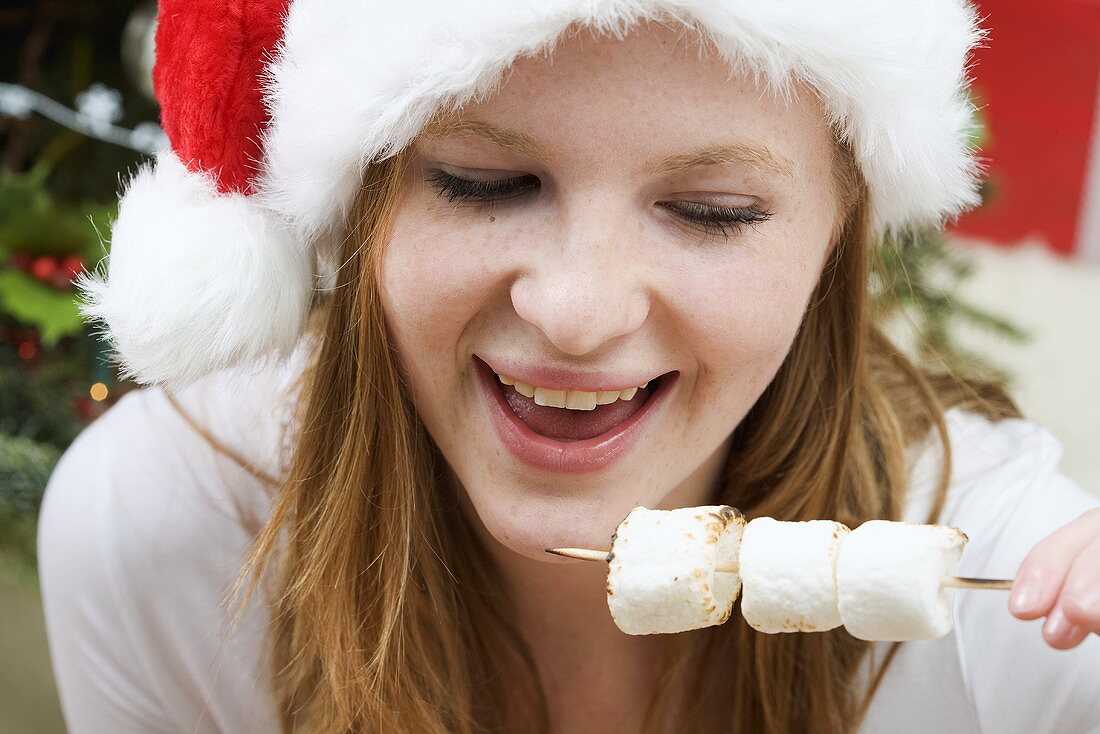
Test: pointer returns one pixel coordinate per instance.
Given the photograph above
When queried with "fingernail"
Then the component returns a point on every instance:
(1023, 599)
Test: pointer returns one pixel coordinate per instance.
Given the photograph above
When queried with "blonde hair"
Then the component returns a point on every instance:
(387, 612)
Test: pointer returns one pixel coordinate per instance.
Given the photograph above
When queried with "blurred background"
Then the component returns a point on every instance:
(1013, 289)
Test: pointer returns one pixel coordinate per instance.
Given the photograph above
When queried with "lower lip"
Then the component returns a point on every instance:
(568, 457)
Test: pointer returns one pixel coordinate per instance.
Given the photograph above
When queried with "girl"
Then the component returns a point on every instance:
(572, 258)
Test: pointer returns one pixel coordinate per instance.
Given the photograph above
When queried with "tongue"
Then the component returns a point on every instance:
(572, 425)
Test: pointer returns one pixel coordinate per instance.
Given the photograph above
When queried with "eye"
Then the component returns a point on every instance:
(720, 221)
(485, 192)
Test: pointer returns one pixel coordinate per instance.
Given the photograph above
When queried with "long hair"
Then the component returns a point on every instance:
(387, 612)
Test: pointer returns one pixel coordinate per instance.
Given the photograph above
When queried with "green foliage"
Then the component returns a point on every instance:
(57, 194)
(38, 404)
(25, 468)
(917, 278)
(54, 313)
(32, 221)
(37, 422)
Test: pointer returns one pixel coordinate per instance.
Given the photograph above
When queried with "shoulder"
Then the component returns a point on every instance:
(143, 530)
(249, 412)
(149, 481)
(999, 469)
(1006, 493)
(199, 455)
(101, 676)
(145, 491)
(146, 483)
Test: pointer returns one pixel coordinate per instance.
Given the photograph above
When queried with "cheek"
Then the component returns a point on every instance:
(435, 280)
(741, 322)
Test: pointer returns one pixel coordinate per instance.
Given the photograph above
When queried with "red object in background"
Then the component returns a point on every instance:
(72, 265)
(55, 271)
(44, 268)
(27, 350)
(69, 267)
(88, 409)
(1038, 81)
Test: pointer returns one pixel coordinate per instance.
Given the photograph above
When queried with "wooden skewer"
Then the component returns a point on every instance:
(964, 582)
(957, 582)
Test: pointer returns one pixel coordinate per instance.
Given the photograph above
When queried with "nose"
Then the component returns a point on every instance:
(586, 289)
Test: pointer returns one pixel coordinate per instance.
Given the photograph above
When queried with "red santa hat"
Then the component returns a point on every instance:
(275, 107)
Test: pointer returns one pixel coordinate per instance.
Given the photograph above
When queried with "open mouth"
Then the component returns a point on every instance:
(573, 423)
(578, 438)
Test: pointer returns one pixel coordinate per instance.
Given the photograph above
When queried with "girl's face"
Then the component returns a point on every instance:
(625, 213)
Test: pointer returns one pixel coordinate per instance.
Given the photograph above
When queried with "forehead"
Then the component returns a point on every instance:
(521, 143)
(659, 96)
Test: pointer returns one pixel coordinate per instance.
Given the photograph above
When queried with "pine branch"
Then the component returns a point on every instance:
(919, 274)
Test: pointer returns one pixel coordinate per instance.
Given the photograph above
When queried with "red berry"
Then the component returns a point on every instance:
(73, 265)
(21, 260)
(44, 267)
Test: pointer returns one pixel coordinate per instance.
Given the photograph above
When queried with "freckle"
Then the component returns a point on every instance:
(492, 219)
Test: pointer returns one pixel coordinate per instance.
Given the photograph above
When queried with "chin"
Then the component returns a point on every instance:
(538, 524)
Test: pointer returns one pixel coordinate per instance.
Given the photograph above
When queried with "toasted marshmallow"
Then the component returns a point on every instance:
(661, 574)
(789, 574)
(890, 580)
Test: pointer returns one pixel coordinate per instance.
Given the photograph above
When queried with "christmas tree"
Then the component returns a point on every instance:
(65, 133)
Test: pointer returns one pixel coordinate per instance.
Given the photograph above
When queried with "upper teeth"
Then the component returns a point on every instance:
(571, 399)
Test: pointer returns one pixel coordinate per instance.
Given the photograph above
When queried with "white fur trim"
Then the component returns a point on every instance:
(197, 280)
(354, 81)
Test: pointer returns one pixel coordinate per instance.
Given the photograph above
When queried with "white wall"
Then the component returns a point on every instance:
(1057, 374)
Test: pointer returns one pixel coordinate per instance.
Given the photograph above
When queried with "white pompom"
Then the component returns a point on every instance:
(197, 280)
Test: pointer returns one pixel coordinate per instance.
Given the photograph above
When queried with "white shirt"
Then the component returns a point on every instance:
(144, 526)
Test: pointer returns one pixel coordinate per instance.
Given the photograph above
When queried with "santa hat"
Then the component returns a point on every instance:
(275, 107)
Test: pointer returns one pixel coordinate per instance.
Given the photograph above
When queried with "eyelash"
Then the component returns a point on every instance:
(721, 221)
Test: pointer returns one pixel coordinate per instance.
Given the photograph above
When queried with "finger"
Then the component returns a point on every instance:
(1080, 597)
(1043, 572)
(1062, 634)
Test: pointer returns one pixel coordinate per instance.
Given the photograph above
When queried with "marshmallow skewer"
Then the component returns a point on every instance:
(956, 582)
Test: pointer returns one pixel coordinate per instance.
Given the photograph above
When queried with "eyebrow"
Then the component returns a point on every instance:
(512, 140)
(525, 145)
(741, 153)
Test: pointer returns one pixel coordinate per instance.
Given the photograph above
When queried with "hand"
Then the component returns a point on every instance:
(1060, 580)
